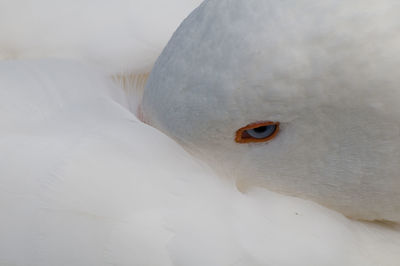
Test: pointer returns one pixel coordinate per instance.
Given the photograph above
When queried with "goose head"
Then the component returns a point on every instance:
(301, 97)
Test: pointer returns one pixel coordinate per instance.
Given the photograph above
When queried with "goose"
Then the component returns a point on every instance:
(84, 182)
(300, 97)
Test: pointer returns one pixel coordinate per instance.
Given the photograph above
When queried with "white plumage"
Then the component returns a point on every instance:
(327, 71)
(84, 182)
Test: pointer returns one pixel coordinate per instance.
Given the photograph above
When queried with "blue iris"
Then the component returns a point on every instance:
(262, 132)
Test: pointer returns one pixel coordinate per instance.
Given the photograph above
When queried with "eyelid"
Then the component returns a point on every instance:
(242, 138)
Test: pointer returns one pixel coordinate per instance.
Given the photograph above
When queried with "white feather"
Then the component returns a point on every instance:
(83, 182)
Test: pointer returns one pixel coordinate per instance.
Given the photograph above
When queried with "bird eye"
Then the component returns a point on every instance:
(257, 132)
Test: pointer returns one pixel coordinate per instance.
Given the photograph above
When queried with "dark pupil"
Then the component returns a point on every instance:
(260, 129)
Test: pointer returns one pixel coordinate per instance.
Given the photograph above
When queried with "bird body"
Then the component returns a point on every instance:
(84, 182)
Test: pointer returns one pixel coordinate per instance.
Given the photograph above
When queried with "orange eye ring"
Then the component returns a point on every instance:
(242, 135)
